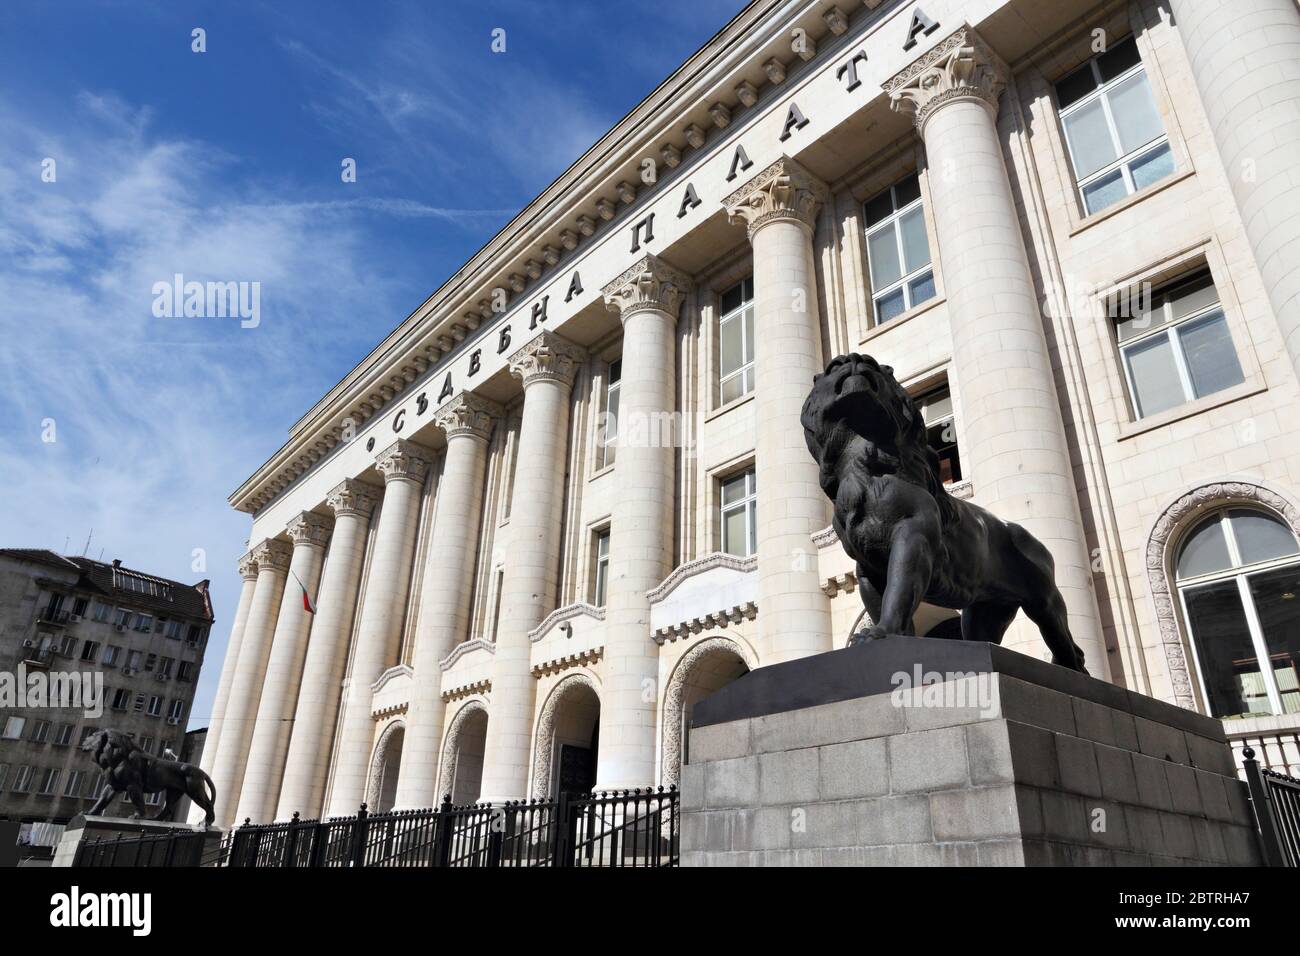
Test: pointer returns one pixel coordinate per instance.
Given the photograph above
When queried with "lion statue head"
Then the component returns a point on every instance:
(857, 417)
(109, 747)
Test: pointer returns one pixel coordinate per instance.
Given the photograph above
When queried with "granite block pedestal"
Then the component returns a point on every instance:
(82, 829)
(919, 751)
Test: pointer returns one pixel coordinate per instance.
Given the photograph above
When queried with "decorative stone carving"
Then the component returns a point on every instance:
(248, 567)
(307, 527)
(605, 209)
(671, 767)
(447, 766)
(649, 284)
(1160, 561)
(626, 192)
(721, 115)
(566, 613)
(671, 155)
(352, 497)
(467, 414)
(403, 461)
(836, 21)
(466, 647)
(379, 761)
(747, 93)
(273, 555)
(784, 191)
(586, 225)
(694, 135)
(775, 71)
(546, 730)
(568, 239)
(547, 357)
(961, 67)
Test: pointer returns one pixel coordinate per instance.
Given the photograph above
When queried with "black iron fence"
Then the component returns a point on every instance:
(630, 828)
(1276, 800)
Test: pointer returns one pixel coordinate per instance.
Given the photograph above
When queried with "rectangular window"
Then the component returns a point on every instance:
(40, 731)
(941, 432)
(89, 651)
(165, 668)
(133, 661)
(736, 342)
(101, 611)
(1179, 349)
(177, 710)
(50, 781)
(111, 655)
(73, 786)
(14, 728)
(23, 780)
(123, 618)
(739, 515)
(121, 699)
(79, 606)
(607, 437)
(1113, 131)
(194, 635)
(63, 734)
(602, 567)
(68, 645)
(144, 623)
(898, 251)
(146, 744)
(155, 706)
(4, 776)
(174, 629)
(185, 671)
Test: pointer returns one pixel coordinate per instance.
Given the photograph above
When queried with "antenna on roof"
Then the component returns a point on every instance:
(67, 539)
(101, 554)
(86, 549)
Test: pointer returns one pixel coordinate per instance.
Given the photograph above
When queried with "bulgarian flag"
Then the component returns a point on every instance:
(307, 604)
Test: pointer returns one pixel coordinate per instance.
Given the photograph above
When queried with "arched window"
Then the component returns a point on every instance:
(1238, 574)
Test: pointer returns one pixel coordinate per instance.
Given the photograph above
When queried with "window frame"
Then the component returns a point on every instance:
(600, 567)
(894, 222)
(748, 502)
(745, 314)
(1240, 573)
(1123, 161)
(607, 447)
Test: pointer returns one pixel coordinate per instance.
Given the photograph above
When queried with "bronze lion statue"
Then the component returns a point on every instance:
(911, 540)
(129, 769)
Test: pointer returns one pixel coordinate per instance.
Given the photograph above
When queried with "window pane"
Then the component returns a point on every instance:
(1156, 384)
(747, 318)
(1075, 86)
(878, 208)
(732, 298)
(1193, 294)
(922, 288)
(882, 250)
(733, 532)
(1205, 550)
(1260, 537)
(732, 353)
(890, 306)
(1134, 110)
(733, 388)
(1277, 602)
(1211, 359)
(908, 190)
(1106, 191)
(733, 490)
(1118, 58)
(1090, 140)
(916, 249)
(1152, 167)
(1234, 686)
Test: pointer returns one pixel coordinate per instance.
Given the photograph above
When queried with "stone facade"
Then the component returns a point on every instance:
(491, 544)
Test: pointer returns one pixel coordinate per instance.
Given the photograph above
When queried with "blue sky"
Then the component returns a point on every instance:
(225, 166)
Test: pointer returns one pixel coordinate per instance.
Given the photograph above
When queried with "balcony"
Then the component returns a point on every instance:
(58, 618)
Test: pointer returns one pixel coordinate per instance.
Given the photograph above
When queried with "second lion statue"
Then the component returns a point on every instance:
(911, 540)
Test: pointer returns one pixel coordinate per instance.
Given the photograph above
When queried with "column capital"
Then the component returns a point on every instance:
(961, 66)
(309, 528)
(272, 555)
(468, 414)
(649, 285)
(352, 497)
(547, 358)
(784, 191)
(248, 567)
(403, 461)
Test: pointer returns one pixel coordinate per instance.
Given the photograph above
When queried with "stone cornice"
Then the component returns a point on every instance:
(352, 497)
(582, 658)
(248, 567)
(272, 555)
(549, 358)
(463, 648)
(466, 414)
(961, 66)
(403, 461)
(566, 613)
(723, 618)
(479, 688)
(718, 559)
(650, 284)
(382, 681)
(783, 192)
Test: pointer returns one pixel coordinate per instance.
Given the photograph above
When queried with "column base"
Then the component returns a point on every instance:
(919, 751)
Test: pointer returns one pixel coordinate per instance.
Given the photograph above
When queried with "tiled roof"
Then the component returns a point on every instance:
(118, 583)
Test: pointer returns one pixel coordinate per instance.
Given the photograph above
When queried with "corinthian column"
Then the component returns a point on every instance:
(778, 206)
(403, 465)
(1016, 450)
(261, 788)
(247, 571)
(312, 737)
(546, 366)
(467, 421)
(272, 558)
(647, 297)
(1246, 61)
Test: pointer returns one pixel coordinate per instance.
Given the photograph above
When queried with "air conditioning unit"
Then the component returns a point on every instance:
(29, 643)
(130, 671)
(160, 677)
(74, 618)
(119, 628)
(173, 721)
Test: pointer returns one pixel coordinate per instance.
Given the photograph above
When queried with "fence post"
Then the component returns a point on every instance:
(442, 833)
(291, 842)
(359, 830)
(566, 826)
(1269, 838)
(497, 829)
(255, 841)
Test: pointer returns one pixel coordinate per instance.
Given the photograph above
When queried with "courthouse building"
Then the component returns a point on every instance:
(569, 495)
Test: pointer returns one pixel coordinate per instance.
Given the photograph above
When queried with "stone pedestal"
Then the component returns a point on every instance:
(83, 828)
(919, 751)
